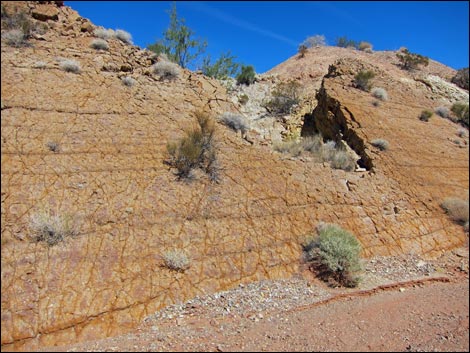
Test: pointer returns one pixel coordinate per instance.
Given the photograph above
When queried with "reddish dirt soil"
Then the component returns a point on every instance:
(428, 314)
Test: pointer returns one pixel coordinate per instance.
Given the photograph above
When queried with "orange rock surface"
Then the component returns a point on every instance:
(108, 173)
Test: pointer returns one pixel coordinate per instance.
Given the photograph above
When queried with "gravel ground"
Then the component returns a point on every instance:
(404, 303)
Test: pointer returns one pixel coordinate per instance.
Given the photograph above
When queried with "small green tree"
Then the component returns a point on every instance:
(222, 68)
(178, 42)
(345, 42)
(302, 50)
(246, 76)
(410, 61)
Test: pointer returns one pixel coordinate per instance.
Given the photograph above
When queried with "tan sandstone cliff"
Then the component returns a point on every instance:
(108, 173)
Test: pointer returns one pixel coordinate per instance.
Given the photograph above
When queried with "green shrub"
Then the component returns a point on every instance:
(361, 80)
(410, 61)
(222, 68)
(52, 229)
(460, 109)
(381, 144)
(335, 255)
(345, 42)
(195, 149)
(246, 76)
(425, 115)
(284, 96)
(461, 78)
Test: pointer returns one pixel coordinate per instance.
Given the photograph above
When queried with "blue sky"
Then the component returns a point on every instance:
(266, 33)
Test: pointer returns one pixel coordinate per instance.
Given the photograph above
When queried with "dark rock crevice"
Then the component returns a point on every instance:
(335, 122)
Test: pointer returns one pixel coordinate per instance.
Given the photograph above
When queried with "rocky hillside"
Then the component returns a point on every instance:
(83, 137)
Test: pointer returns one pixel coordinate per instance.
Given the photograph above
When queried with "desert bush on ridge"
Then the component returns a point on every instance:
(123, 36)
(70, 65)
(166, 70)
(317, 40)
(99, 44)
(411, 61)
(119, 34)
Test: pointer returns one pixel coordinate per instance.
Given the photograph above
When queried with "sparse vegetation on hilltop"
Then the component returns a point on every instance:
(411, 61)
(178, 42)
(345, 42)
(246, 76)
(222, 68)
(317, 40)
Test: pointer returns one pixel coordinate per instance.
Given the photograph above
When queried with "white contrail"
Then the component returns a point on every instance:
(200, 6)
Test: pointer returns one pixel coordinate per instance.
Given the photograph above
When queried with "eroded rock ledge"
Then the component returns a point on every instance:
(329, 119)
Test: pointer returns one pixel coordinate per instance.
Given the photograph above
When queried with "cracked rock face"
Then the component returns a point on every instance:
(106, 172)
